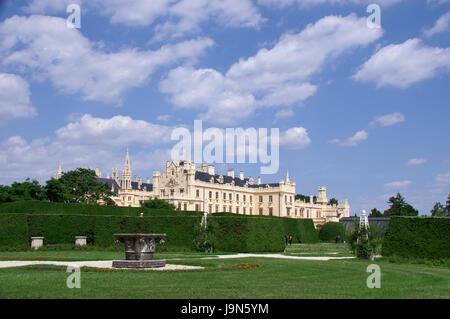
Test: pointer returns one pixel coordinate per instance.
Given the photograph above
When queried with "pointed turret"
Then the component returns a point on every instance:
(126, 173)
(287, 177)
(97, 172)
(59, 173)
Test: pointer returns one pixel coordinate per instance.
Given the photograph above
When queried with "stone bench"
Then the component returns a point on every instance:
(38, 242)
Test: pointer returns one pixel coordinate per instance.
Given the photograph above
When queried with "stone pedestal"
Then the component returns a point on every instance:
(139, 250)
(37, 242)
(80, 240)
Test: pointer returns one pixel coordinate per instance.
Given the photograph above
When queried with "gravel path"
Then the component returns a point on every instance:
(276, 256)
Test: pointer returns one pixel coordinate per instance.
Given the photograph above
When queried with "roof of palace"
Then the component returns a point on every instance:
(134, 185)
(205, 177)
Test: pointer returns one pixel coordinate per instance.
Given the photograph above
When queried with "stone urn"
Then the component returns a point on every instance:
(139, 250)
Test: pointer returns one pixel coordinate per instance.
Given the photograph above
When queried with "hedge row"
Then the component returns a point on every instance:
(42, 207)
(236, 233)
(330, 230)
(417, 237)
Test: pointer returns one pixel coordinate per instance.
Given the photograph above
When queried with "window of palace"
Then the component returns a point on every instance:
(230, 209)
(217, 208)
(288, 210)
(197, 192)
(210, 208)
(162, 192)
(185, 206)
(197, 207)
(285, 199)
(173, 173)
(224, 208)
(260, 211)
(244, 198)
(217, 195)
(237, 197)
(210, 194)
(251, 210)
(243, 210)
(260, 199)
(181, 190)
(270, 211)
(251, 199)
(237, 210)
(179, 206)
(224, 195)
(129, 197)
(291, 199)
(172, 191)
(270, 198)
(230, 196)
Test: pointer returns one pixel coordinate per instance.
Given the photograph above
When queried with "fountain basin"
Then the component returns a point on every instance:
(139, 250)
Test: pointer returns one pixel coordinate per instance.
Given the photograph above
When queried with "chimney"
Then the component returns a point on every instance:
(259, 180)
(241, 175)
(148, 180)
(211, 170)
(140, 182)
(204, 167)
(135, 178)
(231, 173)
(311, 199)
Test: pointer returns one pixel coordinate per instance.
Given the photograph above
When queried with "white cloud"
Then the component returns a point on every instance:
(279, 76)
(443, 179)
(402, 65)
(307, 3)
(14, 98)
(73, 64)
(180, 17)
(86, 142)
(441, 25)
(388, 119)
(295, 138)
(397, 185)
(438, 1)
(352, 141)
(415, 161)
(164, 117)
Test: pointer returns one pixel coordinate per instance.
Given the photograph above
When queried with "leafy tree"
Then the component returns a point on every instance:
(157, 203)
(54, 191)
(305, 198)
(375, 213)
(447, 209)
(399, 207)
(333, 201)
(28, 190)
(80, 186)
(438, 210)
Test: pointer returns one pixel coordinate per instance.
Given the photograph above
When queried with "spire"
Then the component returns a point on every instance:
(126, 173)
(97, 172)
(287, 176)
(59, 173)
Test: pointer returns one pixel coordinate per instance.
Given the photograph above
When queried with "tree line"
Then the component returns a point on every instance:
(76, 186)
(399, 207)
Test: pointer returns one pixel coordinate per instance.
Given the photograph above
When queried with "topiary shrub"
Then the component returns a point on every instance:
(330, 230)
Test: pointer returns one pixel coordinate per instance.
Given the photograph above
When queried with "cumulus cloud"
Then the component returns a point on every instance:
(73, 64)
(14, 98)
(352, 141)
(307, 3)
(388, 119)
(397, 184)
(295, 138)
(401, 65)
(442, 179)
(86, 142)
(415, 161)
(179, 17)
(276, 77)
(441, 25)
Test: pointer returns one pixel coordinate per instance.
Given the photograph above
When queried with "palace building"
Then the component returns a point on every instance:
(191, 188)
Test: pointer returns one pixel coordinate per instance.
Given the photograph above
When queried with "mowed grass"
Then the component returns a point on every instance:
(276, 278)
(322, 249)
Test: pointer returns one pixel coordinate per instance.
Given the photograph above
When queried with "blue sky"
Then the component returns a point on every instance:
(362, 111)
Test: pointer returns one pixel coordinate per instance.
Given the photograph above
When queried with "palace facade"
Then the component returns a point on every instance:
(201, 189)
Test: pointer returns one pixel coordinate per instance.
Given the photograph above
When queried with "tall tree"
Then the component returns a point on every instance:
(399, 207)
(80, 186)
(333, 201)
(54, 191)
(438, 210)
(375, 213)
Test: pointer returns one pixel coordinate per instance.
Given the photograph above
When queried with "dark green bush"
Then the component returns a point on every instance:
(417, 237)
(14, 231)
(42, 207)
(330, 230)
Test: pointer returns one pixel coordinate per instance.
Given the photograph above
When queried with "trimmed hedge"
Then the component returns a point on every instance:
(230, 233)
(330, 230)
(42, 207)
(417, 237)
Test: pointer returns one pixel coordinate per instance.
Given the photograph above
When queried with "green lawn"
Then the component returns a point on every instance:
(322, 249)
(276, 278)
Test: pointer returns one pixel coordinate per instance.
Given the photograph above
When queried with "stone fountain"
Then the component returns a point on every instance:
(139, 250)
